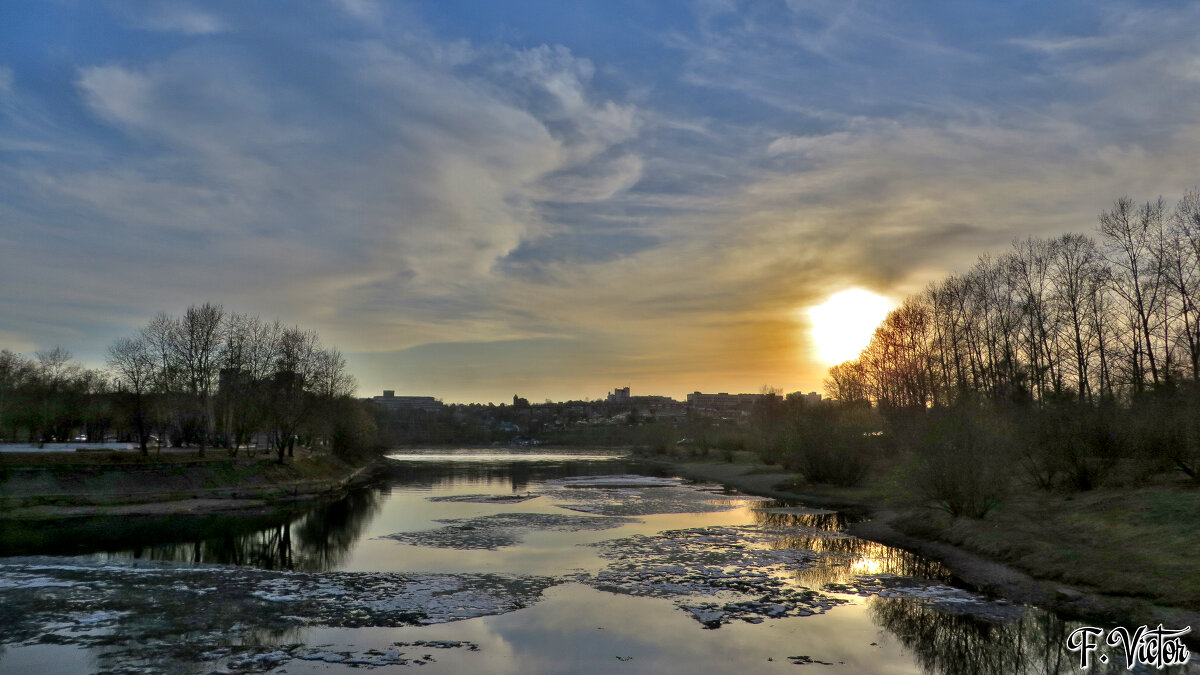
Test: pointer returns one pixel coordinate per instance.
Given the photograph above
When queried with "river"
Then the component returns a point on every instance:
(471, 561)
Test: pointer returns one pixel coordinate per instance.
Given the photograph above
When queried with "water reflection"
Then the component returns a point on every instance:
(844, 557)
(439, 471)
(317, 541)
(965, 645)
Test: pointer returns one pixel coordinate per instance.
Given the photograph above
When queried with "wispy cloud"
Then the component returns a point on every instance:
(172, 16)
(459, 210)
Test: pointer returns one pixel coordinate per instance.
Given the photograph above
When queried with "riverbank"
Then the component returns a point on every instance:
(1123, 557)
(88, 485)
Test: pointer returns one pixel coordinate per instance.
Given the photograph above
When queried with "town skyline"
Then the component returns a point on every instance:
(473, 200)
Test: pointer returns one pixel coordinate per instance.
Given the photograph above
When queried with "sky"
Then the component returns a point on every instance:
(478, 199)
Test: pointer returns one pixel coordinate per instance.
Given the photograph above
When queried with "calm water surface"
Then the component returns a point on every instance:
(430, 571)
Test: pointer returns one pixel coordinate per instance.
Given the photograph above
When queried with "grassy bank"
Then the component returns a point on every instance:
(46, 485)
(1119, 553)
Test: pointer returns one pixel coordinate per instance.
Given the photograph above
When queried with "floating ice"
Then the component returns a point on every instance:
(938, 596)
(484, 499)
(737, 566)
(156, 613)
(629, 500)
(622, 480)
(502, 529)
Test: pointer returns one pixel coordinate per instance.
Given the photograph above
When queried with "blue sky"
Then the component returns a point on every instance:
(553, 199)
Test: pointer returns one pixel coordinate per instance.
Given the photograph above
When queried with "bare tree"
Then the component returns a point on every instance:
(16, 372)
(1182, 271)
(846, 382)
(291, 386)
(1076, 271)
(160, 337)
(197, 349)
(134, 363)
(1130, 237)
(251, 347)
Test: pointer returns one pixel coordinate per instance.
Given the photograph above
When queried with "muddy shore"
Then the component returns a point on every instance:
(976, 572)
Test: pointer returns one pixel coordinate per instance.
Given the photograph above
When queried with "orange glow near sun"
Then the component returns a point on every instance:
(843, 325)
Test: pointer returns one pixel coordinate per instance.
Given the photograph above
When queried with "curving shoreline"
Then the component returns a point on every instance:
(983, 574)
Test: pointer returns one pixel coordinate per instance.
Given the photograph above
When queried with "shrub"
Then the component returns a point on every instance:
(831, 445)
(1069, 445)
(962, 461)
(354, 434)
(1163, 428)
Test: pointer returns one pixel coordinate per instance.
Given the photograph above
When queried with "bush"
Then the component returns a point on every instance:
(1069, 445)
(354, 435)
(962, 461)
(831, 444)
(1163, 428)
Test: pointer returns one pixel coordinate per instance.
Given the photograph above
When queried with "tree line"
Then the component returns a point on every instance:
(207, 378)
(1070, 317)
(1084, 347)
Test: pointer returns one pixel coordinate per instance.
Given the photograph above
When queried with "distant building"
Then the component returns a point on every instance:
(811, 398)
(391, 402)
(620, 395)
(725, 405)
(519, 402)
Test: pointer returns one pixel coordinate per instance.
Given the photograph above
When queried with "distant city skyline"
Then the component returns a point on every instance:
(476, 200)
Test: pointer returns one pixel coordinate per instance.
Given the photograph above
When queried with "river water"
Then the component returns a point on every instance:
(472, 561)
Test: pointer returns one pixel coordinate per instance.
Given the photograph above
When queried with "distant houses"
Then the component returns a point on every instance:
(619, 404)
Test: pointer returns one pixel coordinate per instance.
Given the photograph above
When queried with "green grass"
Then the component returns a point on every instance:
(1136, 542)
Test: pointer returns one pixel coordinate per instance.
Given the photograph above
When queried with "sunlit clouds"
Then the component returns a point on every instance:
(468, 202)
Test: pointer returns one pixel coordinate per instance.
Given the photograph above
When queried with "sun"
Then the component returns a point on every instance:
(843, 325)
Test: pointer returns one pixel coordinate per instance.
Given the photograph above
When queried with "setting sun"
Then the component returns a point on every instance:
(843, 325)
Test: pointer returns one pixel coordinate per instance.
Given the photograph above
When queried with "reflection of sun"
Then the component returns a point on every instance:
(867, 566)
(844, 324)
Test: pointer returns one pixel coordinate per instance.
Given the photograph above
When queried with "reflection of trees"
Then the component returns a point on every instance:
(960, 644)
(270, 549)
(325, 536)
(843, 557)
(833, 521)
(317, 541)
(516, 474)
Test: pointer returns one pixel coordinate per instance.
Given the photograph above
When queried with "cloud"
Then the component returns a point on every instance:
(115, 93)
(172, 16)
(599, 182)
(368, 10)
(474, 210)
(390, 186)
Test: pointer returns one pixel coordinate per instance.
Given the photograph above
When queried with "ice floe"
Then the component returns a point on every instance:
(156, 613)
(747, 578)
(642, 501)
(502, 529)
(484, 499)
(622, 480)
